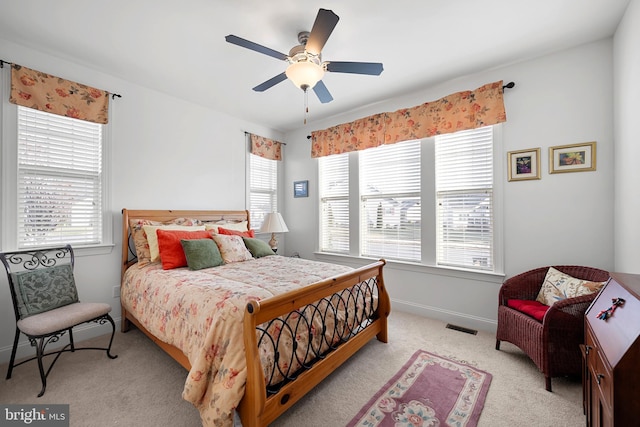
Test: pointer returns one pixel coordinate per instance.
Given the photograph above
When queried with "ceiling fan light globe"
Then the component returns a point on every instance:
(304, 73)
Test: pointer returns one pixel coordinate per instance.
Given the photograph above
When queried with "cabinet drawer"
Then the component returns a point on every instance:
(602, 377)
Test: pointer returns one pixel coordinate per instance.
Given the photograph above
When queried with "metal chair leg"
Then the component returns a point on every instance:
(73, 347)
(113, 333)
(39, 344)
(13, 353)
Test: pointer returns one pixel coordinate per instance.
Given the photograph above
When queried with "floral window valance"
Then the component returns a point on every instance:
(44, 92)
(265, 147)
(459, 111)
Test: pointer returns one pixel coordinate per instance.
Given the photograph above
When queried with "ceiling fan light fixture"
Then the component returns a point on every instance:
(305, 74)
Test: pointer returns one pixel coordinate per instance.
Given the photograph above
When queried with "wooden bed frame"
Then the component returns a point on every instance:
(257, 408)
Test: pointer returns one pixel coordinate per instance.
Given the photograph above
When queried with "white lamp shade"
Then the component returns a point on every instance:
(273, 223)
(304, 74)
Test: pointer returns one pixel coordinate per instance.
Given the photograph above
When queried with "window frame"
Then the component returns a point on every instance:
(374, 157)
(322, 198)
(463, 189)
(428, 262)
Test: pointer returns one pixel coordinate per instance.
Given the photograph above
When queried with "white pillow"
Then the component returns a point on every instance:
(236, 226)
(152, 237)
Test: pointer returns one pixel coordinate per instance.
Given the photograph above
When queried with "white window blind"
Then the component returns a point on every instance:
(59, 180)
(334, 203)
(263, 188)
(390, 201)
(464, 192)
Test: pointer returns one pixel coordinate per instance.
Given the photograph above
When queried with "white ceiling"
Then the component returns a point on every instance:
(178, 47)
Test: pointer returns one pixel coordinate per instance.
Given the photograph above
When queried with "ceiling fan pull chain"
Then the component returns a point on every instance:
(306, 105)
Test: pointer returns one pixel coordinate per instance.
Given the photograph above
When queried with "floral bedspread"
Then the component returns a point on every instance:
(201, 312)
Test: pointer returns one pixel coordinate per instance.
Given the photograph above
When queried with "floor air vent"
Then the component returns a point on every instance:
(462, 329)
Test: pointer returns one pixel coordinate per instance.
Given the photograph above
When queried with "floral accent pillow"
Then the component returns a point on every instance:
(232, 248)
(558, 286)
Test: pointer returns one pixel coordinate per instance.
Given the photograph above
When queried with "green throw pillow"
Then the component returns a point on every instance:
(257, 247)
(201, 253)
(44, 289)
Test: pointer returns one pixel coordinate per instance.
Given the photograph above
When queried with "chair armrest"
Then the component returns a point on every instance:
(575, 307)
(564, 321)
(524, 286)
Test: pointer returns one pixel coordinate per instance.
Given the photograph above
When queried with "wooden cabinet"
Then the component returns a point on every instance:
(611, 355)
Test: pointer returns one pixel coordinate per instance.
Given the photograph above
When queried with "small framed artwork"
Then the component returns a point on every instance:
(524, 164)
(572, 158)
(301, 189)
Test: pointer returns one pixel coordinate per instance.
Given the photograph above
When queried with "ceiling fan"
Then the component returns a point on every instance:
(306, 67)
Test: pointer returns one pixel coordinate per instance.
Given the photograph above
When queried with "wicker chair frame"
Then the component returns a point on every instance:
(553, 344)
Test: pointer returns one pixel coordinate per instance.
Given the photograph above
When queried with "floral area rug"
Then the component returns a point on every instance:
(429, 391)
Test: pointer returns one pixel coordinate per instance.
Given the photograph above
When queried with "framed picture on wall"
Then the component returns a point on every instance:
(524, 164)
(301, 189)
(572, 158)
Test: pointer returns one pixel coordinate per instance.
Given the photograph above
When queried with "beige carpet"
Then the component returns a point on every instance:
(143, 386)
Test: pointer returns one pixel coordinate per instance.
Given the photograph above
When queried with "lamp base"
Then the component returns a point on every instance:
(273, 243)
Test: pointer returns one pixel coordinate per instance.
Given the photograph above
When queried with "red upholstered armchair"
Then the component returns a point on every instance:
(552, 342)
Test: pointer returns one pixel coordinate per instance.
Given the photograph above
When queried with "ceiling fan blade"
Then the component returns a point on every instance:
(271, 82)
(255, 46)
(371, 68)
(322, 92)
(322, 28)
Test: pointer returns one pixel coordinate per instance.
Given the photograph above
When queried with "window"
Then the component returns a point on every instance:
(390, 201)
(334, 203)
(59, 180)
(263, 189)
(429, 201)
(464, 192)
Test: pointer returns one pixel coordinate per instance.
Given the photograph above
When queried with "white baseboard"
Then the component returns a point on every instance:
(460, 319)
(80, 333)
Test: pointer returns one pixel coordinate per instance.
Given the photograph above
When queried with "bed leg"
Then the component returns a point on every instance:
(125, 324)
(382, 335)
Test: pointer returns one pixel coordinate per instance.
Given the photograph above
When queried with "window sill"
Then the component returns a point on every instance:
(354, 261)
(102, 249)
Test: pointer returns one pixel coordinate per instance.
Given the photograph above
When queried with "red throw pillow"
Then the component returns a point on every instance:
(535, 309)
(228, 232)
(170, 248)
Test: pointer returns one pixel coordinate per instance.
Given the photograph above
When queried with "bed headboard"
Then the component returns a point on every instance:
(128, 249)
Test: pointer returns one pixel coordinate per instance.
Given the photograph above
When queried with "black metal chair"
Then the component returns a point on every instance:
(46, 305)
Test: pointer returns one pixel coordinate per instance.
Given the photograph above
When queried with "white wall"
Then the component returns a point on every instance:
(627, 136)
(562, 98)
(167, 154)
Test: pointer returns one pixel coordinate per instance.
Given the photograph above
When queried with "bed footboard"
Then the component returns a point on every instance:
(363, 287)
